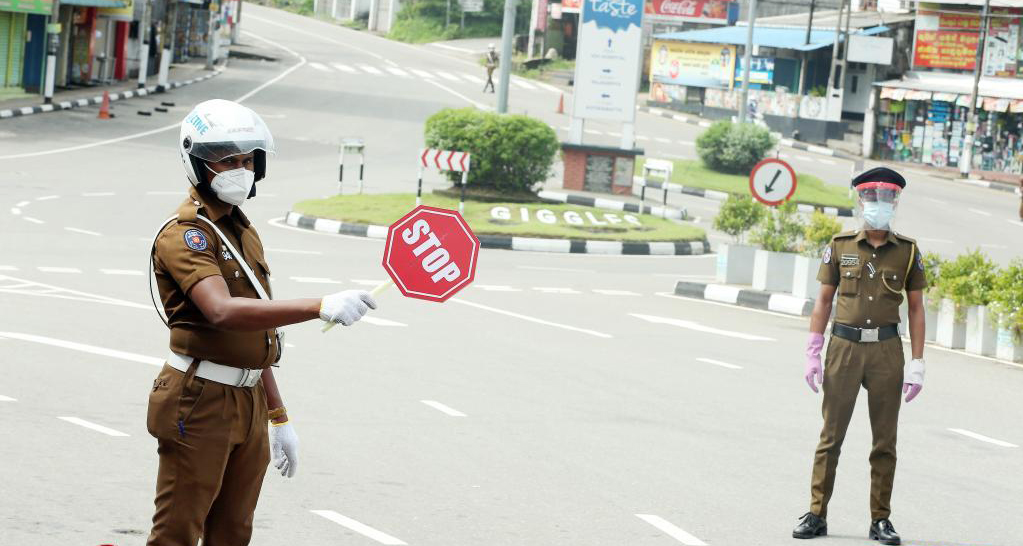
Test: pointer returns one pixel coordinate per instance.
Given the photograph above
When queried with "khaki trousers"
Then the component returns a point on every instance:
(878, 367)
(214, 450)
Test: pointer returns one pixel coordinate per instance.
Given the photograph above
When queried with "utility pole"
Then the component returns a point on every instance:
(507, 31)
(834, 47)
(966, 154)
(809, 24)
(447, 16)
(169, 29)
(238, 22)
(144, 49)
(211, 43)
(52, 46)
(747, 60)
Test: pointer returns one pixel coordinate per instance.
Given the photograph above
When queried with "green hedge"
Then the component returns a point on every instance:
(734, 147)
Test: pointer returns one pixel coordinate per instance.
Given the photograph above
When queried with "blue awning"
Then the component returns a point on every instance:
(95, 3)
(782, 38)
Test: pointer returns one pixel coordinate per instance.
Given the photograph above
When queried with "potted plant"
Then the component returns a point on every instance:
(1007, 304)
(932, 302)
(778, 235)
(957, 288)
(817, 236)
(981, 323)
(738, 214)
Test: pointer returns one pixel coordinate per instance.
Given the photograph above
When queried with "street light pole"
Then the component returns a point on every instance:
(52, 46)
(747, 59)
(507, 31)
(966, 154)
(144, 49)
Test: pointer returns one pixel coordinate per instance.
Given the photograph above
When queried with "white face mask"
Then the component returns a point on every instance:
(878, 214)
(233, 186)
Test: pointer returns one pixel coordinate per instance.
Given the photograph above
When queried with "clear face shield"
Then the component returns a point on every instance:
(877, 203)
(235, 137)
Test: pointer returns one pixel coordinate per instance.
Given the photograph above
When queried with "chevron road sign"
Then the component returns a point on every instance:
(445, 160)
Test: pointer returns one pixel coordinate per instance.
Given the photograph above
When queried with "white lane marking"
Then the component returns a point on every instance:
(1017, 222)
(554, 290)
(532, 319)
(932, 240)
(825, 161)
(7, 399)
(674, 296)
(15, 211)
(479, 105)
(663, 140)
(442, 408)
(23, 204)
(32, 288)
(93, 426)
(614, 134)
(980, 212)
(390, 62)
(377, 321)
(939, 201)
(592, 132)
(473, 79)
(315, 280)
(290, 251)
(671, 530)
(447, 76)
(83, 231)
(33, 220)
(370, 69)
(992, 245)
(83, 348)
(611, 292)
(689, 325)
(344, 68)
(548, 87)
(165, 193)
(641, 137)
(497, 288)
(98, 194)
(397, 72)
(54, 269)
(367, 282)
(982, 438)
(47, 197)
(8, 268)
(524, 85)
(719, 363)
(566, 269)
(318, 66)
(687, 142)
(422, 74)
(358, 527)
(130, 272)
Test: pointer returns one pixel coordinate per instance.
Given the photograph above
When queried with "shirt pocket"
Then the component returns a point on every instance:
(849, 283)
(893, 281)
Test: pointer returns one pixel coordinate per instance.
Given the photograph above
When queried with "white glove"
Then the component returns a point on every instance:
(346, 307)
(914, 372)
(284, 448)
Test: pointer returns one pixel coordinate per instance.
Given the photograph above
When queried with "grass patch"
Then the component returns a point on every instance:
(384, 209)
(809, 189)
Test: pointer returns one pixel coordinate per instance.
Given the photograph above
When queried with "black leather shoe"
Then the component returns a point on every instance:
(883, 531)
(810, 526)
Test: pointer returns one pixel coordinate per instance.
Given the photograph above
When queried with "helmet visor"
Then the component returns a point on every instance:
(216, 151)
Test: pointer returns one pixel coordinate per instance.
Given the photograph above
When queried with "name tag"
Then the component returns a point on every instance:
(850, 260)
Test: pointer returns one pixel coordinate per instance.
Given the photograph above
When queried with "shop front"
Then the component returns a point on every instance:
(22, 44)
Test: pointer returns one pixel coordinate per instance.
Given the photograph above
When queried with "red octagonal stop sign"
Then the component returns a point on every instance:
(431, 253)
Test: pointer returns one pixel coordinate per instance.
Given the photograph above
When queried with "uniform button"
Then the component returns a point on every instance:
(237, 274)
(195, 202)
(871, 275)
(868, 321)
(848, 274)
(870, 298)
(873, 255)
(895, 277)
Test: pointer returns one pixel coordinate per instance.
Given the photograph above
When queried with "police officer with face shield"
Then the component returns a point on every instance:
(211, 403)
(869, 269)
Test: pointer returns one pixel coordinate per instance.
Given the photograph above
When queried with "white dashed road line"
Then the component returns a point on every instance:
(345, 68)
(49, 269)
(609, 292)
(641, 137)
(93, 426)
(1017, 222)
(671, 530)
(531, 319)
(7, 399)
(980, 212)
(8, 268)
(15, 211)
(719, 363)
(315, 280)
(982, 438)
(358, 527)
(662, 140)
(442, 408)
(83, 348)
(377, 321)
(47, 197)
(290, 251)
(497, 288)
(554, 290)
(33, 220)
(130, 272)
(83, 231)
(320, 67)
(697, 327)
(23, 204)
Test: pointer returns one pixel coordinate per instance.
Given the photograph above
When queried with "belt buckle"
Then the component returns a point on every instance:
(869, 335)
(247, 376)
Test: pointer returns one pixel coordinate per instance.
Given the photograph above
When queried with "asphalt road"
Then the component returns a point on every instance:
(559, 400)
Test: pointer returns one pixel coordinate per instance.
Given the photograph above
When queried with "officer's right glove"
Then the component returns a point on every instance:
(814, 374)
(346, 307)
(914, 380)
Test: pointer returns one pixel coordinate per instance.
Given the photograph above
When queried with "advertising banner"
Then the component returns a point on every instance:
(41, 7)
(681, 11)
(571, 6)
(608, 60)
(698, 65)
(762, 73)
(949, 40)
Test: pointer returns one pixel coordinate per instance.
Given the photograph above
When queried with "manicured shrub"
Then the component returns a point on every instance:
(1007, 297)
(510, 153)
(737, 215)
(818, 233)
(969, 279)
(780, 229)
(734, 147)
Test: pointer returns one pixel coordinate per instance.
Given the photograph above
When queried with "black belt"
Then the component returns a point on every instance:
(865, 335)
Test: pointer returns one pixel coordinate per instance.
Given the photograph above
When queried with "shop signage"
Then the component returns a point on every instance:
(721, 12)
(949, 40)
(608, 60)
(41, 7)
(693, 64)
(571, 6)
(870, 49)
(762, 73)
(569, 217)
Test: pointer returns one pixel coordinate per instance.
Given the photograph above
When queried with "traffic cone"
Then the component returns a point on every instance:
(561, 105)
(104, 109)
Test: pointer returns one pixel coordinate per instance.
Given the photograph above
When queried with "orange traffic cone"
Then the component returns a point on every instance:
(561, 104)
(104, 109)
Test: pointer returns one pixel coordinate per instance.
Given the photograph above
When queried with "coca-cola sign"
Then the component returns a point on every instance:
(704, 11)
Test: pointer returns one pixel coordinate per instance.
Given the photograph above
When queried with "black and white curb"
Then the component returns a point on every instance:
(611, 204)
(78, 103)
(564, 246)
(721, 196)
(744, 297)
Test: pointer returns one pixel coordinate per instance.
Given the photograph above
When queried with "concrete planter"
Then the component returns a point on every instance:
(981, 331)
(951, 332)
(735, 264)
(804, 281)
(930, 321)
(773, 271)
(1009, 347)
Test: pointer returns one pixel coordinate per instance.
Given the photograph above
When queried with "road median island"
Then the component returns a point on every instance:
(517, 226)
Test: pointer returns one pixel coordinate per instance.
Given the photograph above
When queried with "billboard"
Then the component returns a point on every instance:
(762, 73)
(945, 39)
(608, 60)
(571, 6)
(721, 12)
(693, 64)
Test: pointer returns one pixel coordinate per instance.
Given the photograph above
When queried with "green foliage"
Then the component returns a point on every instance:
(967, 280)
(818, 233)
(510, 153)
(780, 229)
(1007, 297)
(420, 30)
(734, 148)
(932, 269)
(738, 214)
(421, 21)
(818, 91)
(301, 7)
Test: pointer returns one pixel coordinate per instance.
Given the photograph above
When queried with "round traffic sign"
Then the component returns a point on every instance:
(772, 182)
(431, 253)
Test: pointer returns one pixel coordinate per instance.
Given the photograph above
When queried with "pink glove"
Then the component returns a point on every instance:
(913, 390)
(814, 374)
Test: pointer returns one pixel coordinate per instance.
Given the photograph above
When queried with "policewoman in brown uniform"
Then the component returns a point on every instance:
(211, 402)
(869, 269)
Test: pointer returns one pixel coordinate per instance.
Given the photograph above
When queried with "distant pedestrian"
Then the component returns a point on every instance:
(869, 269)
(492, 59)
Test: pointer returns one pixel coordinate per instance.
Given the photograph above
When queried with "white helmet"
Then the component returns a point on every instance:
(219, 128)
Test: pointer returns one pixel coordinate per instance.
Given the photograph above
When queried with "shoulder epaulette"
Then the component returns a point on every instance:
(844, 235)
(188, 211)
(903, 237)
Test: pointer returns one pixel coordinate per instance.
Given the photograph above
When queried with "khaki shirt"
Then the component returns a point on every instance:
(871, 280)
(188, 251)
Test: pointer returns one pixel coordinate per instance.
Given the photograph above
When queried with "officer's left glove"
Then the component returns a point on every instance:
(914, 381)
(284, 448)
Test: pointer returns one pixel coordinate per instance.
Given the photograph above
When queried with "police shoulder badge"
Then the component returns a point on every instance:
(919, 262)
(827, 255)
(196, 240)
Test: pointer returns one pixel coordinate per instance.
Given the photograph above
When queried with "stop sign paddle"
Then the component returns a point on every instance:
(430, 254)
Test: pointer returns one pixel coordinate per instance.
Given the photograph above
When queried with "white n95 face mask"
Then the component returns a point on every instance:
(877, 214)
(233, 186)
